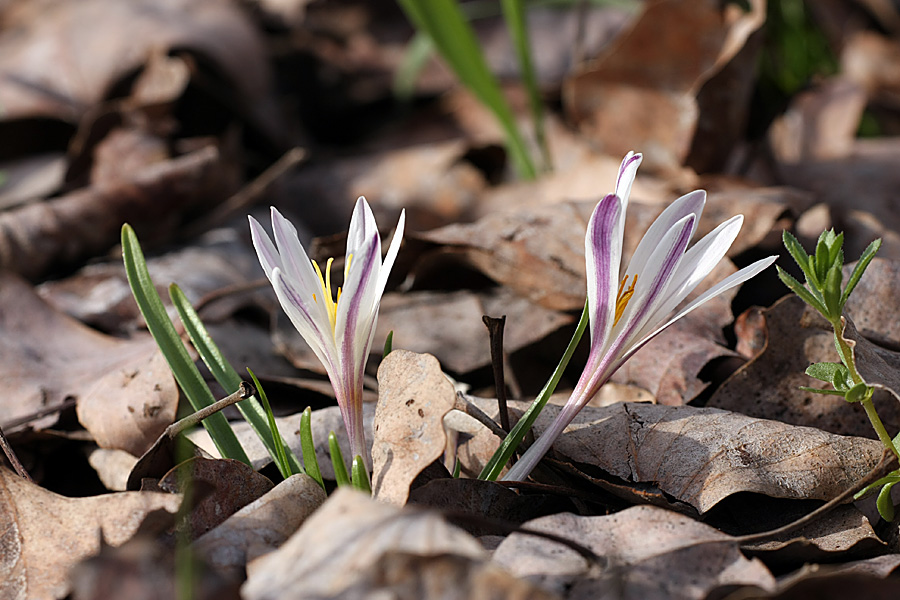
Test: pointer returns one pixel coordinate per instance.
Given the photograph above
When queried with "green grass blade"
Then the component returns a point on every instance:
(310, 461)
(229, 379)
(517, 25)
(495, 465)
(453, 37)
(280, 458)
(359, 476)
(169, 342)
(337, 461)
(388, 344)
(417, 52)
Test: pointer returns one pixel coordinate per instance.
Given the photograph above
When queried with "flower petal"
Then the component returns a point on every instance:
(627, 172)
(602, 253)
(689, 204)
(391, 255)
(723, 286)
(299, 311)
(265, 249)
(362, 227)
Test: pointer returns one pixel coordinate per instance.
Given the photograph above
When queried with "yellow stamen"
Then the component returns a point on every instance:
(623, 296)
(325, 282)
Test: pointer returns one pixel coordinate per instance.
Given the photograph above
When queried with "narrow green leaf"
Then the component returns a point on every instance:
(884, 503)
(795, 249)
(893, 476)
(337, 461)
(414, 58)
(860, 268)
(858, 392)
(828, 371)
(359, 475)
(798, 288)
(229, 379)
(169, 342)
(508, 446)
(457, 468)
(307, 445)
(821, 391)
(388, 344)
(280, 458)
(821, 262)
(832, 292)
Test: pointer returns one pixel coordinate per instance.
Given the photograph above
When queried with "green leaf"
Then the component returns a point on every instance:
(884, 503)
(170, 344)
(798, 288)
(860, 268)
(508, 446)
(388, 344)
(310, 460)
(799, 255)
(821, 391)
(858, 392)
(280, 458)
(228, 378)
(414, 58)
(452, 35)
(359, 475)
(337, 461)
(834, 373)
(893, 476)
(832, 292)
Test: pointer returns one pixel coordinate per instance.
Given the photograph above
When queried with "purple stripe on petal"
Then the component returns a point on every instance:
(354, 308)
(600, 252)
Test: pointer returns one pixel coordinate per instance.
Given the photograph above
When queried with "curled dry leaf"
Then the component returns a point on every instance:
(126, 394)
(448, 324)
(224, 487)
(641, 91)
(652, 554)
(344, 540)
(45, 534)
(414, 395)
(872, 305)
(768, 386)
(703, 455)
(263, 525)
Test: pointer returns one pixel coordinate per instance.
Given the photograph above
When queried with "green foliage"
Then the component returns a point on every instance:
(285, 467)
(172, 348)
(337, 461)
(359, 475)
(310, 460)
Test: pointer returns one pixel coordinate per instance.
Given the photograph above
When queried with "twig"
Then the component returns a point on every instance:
(13, 459)
(476, 413)
(887, 460)
(245, 391)
(229, 290)
(69, 402)
(495, 331)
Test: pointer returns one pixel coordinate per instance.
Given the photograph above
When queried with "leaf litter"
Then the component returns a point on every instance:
(189, 116)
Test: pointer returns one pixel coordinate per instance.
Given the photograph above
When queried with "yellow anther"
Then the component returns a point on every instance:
(623, 297)
(325, 282)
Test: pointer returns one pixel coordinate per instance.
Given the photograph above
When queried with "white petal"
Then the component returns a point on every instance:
(265, 249)
(602, 253)
(689, 204)
(391, 255)
(627, 172)
(723, 286)
(362, 227)
(315, 333)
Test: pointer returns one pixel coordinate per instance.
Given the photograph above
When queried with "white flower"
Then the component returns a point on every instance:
(626, 314)
(339, 329)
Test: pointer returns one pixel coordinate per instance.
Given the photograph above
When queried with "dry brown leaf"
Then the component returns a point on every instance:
(225, 486)
(872, 306)
(38, 238)
(413, 397)
(113, 467)
(263, 525)
(640, 93)
(449, 326)
(768, 387)
(126, 394)
(350, 534)
(703, 455)
(45, 534)
(653, 554)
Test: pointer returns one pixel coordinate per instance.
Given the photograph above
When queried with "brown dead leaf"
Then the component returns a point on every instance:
(126, 395)
(38, 238)
(703, 455)
(45, 534)
(448, 324)
(872, 306)
(232, 485)
(768, 386)
(349, 535)
(413, 397)
(263, 525)
(653, 554)
(641, 91)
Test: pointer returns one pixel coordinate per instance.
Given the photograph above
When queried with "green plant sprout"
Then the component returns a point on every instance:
(823, 273)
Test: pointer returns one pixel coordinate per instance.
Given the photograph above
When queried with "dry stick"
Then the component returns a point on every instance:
(476, 413)
(248, 194)
(245, 391)
(495, 330)
(69, 402)
(887, 460)
(230, 290)
(13, 459)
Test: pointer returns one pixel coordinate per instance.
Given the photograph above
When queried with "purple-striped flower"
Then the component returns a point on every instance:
(627, 313)
(339, 328)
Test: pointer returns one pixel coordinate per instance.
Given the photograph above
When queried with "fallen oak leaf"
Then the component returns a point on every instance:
(45, 534)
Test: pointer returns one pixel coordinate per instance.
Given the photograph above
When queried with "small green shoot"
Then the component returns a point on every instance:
(310, 460)
(337, 461)
(388, 343)
(285, 467)
(359, 475)
(172, 348)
